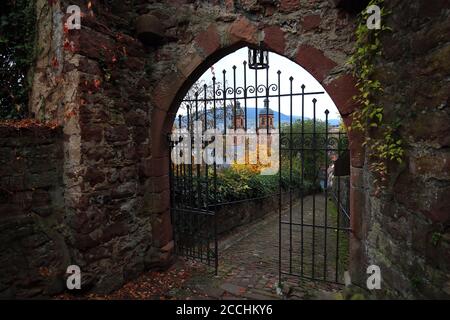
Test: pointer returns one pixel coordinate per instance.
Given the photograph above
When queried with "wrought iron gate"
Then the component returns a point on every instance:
(313, 223)
(314, 227)
(193, 191)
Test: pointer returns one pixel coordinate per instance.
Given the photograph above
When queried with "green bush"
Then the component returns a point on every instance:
(235, 185)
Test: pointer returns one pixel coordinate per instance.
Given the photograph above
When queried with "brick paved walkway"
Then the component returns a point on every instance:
(248, 267)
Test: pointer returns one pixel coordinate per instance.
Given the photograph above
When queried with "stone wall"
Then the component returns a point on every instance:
(240, 213)
(407, 227)
(94, 82)
(33, 253)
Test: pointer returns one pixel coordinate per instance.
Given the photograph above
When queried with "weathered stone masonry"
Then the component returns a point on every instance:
(407, 229)
(115, 99)
(33, 252)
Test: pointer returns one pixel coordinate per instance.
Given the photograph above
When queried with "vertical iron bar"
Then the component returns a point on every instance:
(338, 228)
(199, 192)
(314, 194)
(279, 179)
(215, 176)
(172, 186)
(191, 203)
(180, 222)
(245, 95)
(256, 115)
(179, 168)
(186, 220)
(195, 217)
(205, 204)
(267, 107)
(267, 114)
(234, 114)
(302, 182)
(180, 178)
(224, 113)
(290, 174)
(175, 181)
(256, 100)
(216, 252)
(326, 197)
(245, 113)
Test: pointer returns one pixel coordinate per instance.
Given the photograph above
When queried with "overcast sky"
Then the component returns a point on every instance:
(288, 69)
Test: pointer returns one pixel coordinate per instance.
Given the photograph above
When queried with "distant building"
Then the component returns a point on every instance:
(265, 117)
(240, 117)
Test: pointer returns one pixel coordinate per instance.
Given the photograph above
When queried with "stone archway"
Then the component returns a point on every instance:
(210, 46)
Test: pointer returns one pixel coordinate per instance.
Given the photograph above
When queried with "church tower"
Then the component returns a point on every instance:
(265, 117)
(240, 117)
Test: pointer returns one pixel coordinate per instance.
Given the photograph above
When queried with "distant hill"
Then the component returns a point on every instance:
(251, 116)
(283, 117)
(334, 122)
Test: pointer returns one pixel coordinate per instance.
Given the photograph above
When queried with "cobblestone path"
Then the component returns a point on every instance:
(248, 259)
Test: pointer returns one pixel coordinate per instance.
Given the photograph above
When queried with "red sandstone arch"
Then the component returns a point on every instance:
(209, 47)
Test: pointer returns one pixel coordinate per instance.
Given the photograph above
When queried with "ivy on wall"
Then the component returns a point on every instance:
(17, 52)
(382, 141)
